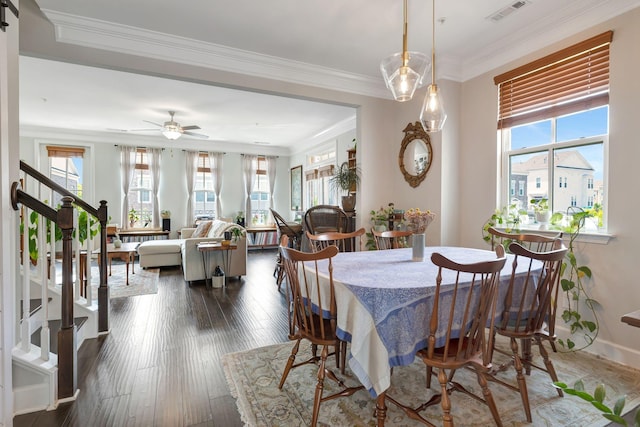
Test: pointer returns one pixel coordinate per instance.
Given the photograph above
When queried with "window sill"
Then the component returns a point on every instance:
(599, 238)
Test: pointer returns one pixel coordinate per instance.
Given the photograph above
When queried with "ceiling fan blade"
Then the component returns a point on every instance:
(145, 130)
(192, 127)
(157, 124)
(195, 135)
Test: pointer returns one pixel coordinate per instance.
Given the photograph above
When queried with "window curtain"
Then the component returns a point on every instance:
(191, 158)
(154, 170)
(127, 171)
(271, 173)
(215, 162)
(249, 168)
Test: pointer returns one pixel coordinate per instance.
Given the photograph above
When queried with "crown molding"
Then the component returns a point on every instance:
(98, 34)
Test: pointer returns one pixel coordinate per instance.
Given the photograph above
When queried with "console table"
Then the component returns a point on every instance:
(262, 237)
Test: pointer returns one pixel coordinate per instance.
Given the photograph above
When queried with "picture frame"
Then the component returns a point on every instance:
(296, 188)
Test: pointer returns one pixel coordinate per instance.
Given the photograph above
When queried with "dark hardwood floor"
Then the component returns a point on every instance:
(161, 363)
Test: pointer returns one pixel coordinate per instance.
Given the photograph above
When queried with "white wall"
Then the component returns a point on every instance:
(461, 185)
(615, 278)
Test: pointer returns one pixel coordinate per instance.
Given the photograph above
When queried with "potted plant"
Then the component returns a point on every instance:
(541, 210)
(346, 180)
(133, 217)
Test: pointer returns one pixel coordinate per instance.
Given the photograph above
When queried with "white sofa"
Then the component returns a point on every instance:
(184, 252)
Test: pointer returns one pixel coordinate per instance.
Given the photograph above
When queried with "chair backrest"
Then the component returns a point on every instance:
(462, 311)
(392, 239)
(325, 218)
(312, 308)
(531, 299)
(293, 233)
(344, 241)
(531, 241)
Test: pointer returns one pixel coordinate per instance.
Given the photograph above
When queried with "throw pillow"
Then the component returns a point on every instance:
(202, 229)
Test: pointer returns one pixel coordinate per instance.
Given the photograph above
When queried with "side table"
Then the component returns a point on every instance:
(207, 249)
(126, 253)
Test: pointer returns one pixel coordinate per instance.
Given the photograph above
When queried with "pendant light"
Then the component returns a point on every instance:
(403, 72)
(433, 115)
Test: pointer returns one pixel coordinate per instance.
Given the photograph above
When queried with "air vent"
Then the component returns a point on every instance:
(508, 10)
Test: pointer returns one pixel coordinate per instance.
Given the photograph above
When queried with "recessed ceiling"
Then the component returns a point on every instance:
(333, 44)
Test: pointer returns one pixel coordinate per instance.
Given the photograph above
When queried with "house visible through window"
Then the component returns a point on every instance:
(65, 168)
(205, 197)
(140, 202)
(260, 194)
(560, 134)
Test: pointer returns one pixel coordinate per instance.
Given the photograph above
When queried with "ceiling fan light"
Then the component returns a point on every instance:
(172, 133)
(403, 79)
(433, 114)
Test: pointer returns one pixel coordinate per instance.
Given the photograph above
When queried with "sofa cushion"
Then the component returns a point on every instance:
(217, 228)
(202, 229)
(151, 247)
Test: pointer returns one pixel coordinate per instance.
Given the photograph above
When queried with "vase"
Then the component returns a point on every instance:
(117, 243)
(418, 247)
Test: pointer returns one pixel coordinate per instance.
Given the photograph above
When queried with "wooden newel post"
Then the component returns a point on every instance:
(103, 289)
(67, 340)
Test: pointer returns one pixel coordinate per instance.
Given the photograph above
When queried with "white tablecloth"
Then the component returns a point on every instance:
(384, 303)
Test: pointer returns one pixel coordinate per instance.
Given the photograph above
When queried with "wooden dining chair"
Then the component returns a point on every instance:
(325, 218)
(536, 243)
(312, 316)
(293, 231)
(458, 336)
(391, 239)
(344, 241)
(531, 241)
(526, 312)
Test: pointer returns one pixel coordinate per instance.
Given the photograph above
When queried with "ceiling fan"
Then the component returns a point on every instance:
(172, 129)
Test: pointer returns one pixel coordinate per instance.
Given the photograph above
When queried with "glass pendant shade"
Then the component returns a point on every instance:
(433, 115)
(404, 77)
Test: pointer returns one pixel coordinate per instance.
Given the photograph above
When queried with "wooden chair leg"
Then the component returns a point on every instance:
(290, 361)
(488, 398)
(547, 363)
(319, 386)
(445, 402)
(522, 383)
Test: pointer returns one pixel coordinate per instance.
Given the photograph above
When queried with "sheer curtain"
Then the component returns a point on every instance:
(191, 158)
(127, 171)
(271, 173)
(215, 161)
(154, 170)
(249, 168)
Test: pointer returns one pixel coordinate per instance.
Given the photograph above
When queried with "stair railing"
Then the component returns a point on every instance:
(64, 218)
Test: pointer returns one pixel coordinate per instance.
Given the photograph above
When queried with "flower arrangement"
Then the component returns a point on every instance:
(419, 220)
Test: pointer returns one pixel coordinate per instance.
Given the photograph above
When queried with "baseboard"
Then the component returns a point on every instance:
(609, 350)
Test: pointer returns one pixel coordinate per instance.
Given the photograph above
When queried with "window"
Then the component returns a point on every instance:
(320, 168)
(204, 196)
(513, 187)
(140, 201)
(554, 122)
(260, 194)
(65, 168)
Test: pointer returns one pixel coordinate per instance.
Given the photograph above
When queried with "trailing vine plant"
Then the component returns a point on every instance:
(574, 274)
(572, 284)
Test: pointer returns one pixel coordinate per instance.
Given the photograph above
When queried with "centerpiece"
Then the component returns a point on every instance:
(418, 221)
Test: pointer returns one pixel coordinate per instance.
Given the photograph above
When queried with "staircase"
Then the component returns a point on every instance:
(49, 335)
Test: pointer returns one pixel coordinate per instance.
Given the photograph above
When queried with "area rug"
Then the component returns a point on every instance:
(143, 282)
(253, 378)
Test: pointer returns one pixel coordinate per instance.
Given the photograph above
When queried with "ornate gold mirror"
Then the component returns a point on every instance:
(415, 154)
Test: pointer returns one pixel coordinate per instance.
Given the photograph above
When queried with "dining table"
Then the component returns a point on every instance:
(384, 303)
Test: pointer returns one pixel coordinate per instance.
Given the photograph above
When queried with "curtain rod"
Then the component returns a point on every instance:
(203, 151)
(261, 155)
(135, 146)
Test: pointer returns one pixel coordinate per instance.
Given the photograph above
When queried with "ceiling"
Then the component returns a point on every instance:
(333, 44)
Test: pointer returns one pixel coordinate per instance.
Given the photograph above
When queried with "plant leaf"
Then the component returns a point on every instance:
(619, 406)
(599, 393)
